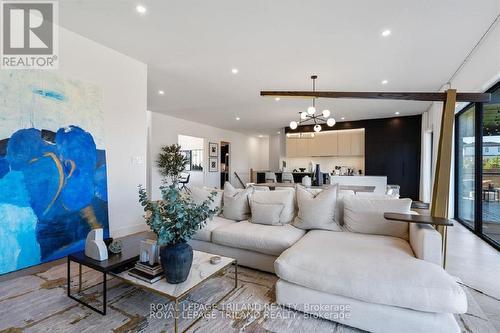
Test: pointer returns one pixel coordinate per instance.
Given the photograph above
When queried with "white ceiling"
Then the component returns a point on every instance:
(191, 46)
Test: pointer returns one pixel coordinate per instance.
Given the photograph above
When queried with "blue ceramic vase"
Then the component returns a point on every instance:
(176, 261)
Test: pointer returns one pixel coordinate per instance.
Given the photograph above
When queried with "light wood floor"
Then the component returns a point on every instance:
(469, 258)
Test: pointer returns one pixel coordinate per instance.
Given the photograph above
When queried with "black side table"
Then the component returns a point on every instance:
(440, 223)
(115, 262)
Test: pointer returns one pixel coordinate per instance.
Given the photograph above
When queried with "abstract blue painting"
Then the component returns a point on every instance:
(53, 187)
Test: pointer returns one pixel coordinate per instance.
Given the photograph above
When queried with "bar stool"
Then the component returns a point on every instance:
(270, 177)
(287, 177)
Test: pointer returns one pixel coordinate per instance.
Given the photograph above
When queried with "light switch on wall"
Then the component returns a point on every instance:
(137, 160)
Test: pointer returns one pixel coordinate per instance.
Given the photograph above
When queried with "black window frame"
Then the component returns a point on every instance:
(477, 229)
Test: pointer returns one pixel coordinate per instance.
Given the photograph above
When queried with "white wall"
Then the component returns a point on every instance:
(480, 72)
(124, 85)
(245, 151)
(275, 152)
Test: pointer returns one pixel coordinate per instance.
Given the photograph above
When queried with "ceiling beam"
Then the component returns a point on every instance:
(409, 96)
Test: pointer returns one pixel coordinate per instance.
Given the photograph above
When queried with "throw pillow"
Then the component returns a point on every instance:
(339, 208)
(366, 216)
(236, 206)
(265, 213)
(282, 198)
(317, 211)
(200, 194)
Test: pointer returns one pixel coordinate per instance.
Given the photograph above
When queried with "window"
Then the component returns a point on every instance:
(477, 167)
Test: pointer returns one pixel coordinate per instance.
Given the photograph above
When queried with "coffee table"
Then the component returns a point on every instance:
(120, 261)
(201, 271)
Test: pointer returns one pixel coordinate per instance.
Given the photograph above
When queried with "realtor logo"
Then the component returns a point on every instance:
(29, 35)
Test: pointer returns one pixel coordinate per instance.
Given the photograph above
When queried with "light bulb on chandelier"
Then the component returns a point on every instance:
(326, 113)
(293, 125)
(303, 115)
(317, 128)
(331, 122)
(311, 110)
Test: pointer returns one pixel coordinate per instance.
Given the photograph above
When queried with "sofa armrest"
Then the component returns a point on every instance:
(426, 242)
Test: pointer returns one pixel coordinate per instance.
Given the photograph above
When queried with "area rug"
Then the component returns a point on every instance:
(38, 303)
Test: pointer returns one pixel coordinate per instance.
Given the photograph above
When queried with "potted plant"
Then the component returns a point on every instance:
(175, 218)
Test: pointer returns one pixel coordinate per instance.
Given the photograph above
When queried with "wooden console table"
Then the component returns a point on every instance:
(441, 224)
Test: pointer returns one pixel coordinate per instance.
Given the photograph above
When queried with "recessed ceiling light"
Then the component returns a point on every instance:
(277, 99)
(279, 132)
(396, 113)
(237, 118)
(141, 9)
(261, 136)
(386, 33)
(234, 71)
(161, 92)
(342, 118)
(384, 81)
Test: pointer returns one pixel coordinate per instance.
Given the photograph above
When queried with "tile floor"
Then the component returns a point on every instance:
(477, 264)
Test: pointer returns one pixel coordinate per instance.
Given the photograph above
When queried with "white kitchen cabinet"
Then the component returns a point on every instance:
(357, 143)
(324, 144)
(303, 147)
(291, 147)
(328, 143)
(344, 143)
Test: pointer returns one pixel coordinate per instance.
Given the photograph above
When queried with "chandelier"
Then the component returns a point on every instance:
(310, 116)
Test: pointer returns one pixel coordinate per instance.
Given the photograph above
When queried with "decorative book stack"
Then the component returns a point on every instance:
(147, 272)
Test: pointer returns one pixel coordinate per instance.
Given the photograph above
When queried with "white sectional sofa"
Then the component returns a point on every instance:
(384, 283)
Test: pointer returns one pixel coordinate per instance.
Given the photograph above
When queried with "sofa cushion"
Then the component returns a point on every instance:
(205, 233)
(236, 206)
(261, 188)
(370, 268)
(339, 207)
(317, 211)
(266, 213)
(267, 239)
(365, 215)
(200, 194)
(283, 198)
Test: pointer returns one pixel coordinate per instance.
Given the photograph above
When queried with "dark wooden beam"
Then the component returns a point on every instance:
(409, 96)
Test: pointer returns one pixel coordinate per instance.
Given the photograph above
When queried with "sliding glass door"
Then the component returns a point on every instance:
(465, 166)
(477, 167)
(491, 168)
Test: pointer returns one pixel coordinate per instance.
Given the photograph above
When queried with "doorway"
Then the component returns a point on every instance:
(224, 163)
(192, 149)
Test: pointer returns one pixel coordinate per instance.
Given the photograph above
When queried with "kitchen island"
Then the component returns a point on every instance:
(380, 182)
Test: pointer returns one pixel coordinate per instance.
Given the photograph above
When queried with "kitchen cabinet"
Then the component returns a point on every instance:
(291, 147)
(323, 144)
(357, 143)
(303, 147)
(344, 143)
(328, 143)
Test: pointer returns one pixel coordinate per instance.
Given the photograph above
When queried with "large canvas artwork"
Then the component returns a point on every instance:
(52, 166)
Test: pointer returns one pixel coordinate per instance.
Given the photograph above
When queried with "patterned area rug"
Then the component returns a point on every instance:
(38, 303)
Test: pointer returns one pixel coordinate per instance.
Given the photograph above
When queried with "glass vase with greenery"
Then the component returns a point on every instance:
(176, 217)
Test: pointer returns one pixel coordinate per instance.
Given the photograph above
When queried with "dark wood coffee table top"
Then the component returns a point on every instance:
(422, 219)
(114, 261)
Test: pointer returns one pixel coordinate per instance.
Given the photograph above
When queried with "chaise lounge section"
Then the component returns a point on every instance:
(388, 283)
